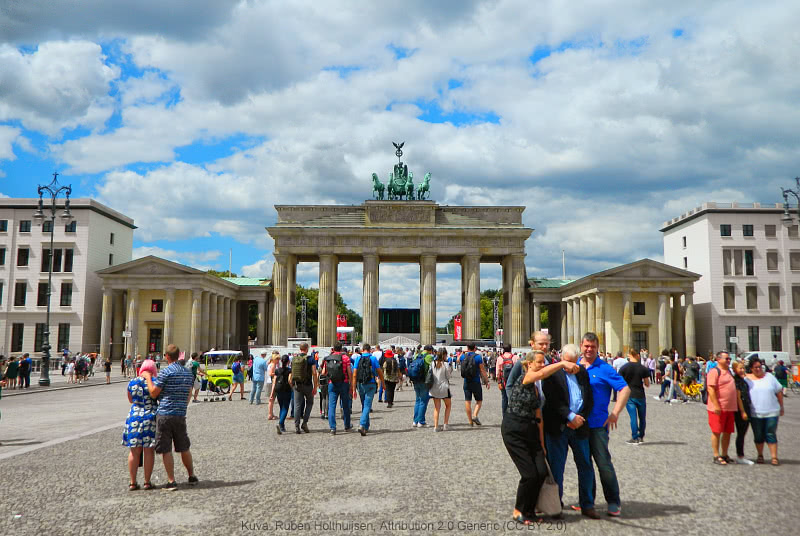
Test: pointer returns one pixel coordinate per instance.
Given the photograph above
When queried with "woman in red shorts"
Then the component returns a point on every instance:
(722, 406)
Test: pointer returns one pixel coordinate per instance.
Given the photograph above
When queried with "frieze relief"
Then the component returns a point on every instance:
(422, 242)
(394, 214)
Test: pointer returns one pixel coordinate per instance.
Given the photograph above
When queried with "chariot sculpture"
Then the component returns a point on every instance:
(400, 185)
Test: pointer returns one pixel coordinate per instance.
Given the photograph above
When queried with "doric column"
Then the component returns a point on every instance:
(576, 320)
(537, 316)
(627, 322)
(472, 324)
(691, 343)
(118, 324)
(326, 309)
(370, 285)
(662, 323)
(427, 299)
(105, 323)
(261, 325)
(235, 342)
(226, 323)
(600, 320)
(591, 321)
(518, 335)
(132, 322)
(197, 320)
(583, 317)
(221, 322)
(279, 292)
(570, 318)
(678, 340)
(291, 291)
(564, 325)
(204, 322)
(507, 278)
(169, 317)
(212, 321)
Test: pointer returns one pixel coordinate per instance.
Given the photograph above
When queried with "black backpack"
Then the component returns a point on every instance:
(334, 368)
(364, 373)
(282, 380)
(469, 370)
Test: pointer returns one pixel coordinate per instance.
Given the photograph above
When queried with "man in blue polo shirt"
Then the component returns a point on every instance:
(603, 380)
(364, 379)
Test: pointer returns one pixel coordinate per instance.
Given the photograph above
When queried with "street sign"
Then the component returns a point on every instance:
(734, 340)
(126, 334)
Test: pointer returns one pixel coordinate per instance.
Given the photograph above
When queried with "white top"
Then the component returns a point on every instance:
(441, 381)
(619, 363)
(764, 396)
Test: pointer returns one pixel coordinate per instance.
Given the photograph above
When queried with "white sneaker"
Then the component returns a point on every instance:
(744, 461)
(414, 425)
(656, 397)
(674, 401)
(445, 427)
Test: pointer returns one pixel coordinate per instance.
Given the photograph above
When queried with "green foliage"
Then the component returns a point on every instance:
(487, 314)
(312, 308)
(544, 317)
(224, 273)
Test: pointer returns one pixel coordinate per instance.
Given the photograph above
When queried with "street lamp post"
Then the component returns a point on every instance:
(495, 318)
(53, 190)
(303, 315)
(787, 215)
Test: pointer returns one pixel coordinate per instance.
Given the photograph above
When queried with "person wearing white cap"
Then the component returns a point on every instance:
(259, 375)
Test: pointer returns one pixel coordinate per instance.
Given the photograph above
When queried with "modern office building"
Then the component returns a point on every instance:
(96, 237)
(748, 297)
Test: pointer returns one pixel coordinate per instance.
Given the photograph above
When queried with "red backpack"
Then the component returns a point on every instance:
(505, 370)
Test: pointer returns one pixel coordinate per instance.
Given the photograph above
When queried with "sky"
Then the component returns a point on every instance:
(195, 117)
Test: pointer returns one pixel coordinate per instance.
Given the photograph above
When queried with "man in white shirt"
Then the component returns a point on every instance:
(618, 363)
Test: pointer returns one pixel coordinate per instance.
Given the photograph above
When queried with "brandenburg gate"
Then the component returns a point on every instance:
(410, 231)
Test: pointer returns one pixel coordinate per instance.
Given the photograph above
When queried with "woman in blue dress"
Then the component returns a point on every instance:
(140, 427)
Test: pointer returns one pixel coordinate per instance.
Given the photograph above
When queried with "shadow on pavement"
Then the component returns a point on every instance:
(214, 484)
(644, 510)
(18, 442)
(647, 443)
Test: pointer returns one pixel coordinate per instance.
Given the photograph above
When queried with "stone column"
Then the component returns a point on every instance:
(261, 325)
(291, 291)
(591, 321)
(537, 316)
(212, 321)
(583, 317)
(576, 320)
(662, 324)
(279, 279)
(600, 320)
(507, 277)
(235, 342)
(370, 283)
(197, 319)
(678, 340)
(627, 322)
(105, 323)
(564, 325)
(326, 309)
(204, 339)
(691, 343)
(118, 324)
(527, 324)
(669, 324)
(226, 323)
(427, 299)
(132, 321)
(472, 324)
(169, 317)
(518, 336)
(221, 322)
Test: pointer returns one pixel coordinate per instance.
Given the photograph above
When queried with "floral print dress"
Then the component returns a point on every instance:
(140, 426)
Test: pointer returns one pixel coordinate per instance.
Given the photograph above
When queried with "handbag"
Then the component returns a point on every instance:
(549, 502)
(429, 377)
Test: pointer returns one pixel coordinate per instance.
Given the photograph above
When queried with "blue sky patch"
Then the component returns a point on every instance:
(208, 150)
(677, 32)
(433, 113)
(343, 71)
(401, 52)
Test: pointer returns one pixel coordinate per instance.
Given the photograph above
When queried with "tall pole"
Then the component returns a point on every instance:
(495, 317)
(303, 313)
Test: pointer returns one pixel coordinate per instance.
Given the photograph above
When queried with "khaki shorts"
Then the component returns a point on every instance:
(171, 429)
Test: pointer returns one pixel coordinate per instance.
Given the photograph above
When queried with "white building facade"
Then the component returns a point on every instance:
(96, 238)
(748, 297)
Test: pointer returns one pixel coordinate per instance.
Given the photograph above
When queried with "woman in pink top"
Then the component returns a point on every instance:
(273, 360)
(722, 406)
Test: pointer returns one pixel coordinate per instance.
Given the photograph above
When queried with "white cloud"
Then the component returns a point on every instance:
(8, 135)
(195, 259)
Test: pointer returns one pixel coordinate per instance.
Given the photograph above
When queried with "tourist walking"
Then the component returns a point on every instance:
(336, 367)
(238, 378)
(140, 429)
(107, 368)
(503, 366)
(304, 384)
(473, 372)
(259, 370)
(742, 416)
(11, 373)
(392, 376)
(282, 390)
(439, 391)
(274, 362)
(417, 372)
(721, 406)
(766, 404)
(367, 375)
(637, 376)
(25, 365)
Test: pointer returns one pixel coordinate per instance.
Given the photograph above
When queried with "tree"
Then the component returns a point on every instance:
(312, 311)
(221, 274)
(487, 314)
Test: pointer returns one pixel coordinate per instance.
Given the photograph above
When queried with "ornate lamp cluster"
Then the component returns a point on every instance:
(787, 218)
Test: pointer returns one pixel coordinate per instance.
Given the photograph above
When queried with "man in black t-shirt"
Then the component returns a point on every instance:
(637, 376)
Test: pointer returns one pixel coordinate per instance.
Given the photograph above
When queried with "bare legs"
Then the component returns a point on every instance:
(720, 442)
(133, 463)
(169, 464)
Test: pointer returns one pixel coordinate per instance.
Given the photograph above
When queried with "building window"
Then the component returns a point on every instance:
(25, 226)
(41, 295)
(685, 263)
(20, 291)
(68, 254)
(38, 340)
(45, 260)
(772, 260)
(1, 293)
(2, 256)
(797, 340)
(726, 262)
(776, 339)
(792, 230)
(794, 260)
(774, 297)
(731, 347)
(770, 231)
(749, 269)
(63, 336)
(3, 226)
(729, 297)
(638, 308)
(23, 254)
(752, 338)
(71, 227)
(157, 306)
(111, 240)
(683, 239)
(747, 230)
(47, 226)
(66, 294)
(111, 259)
(738, 263)
(640, 340)
(796, 297)
(751, 297)
(57, 254)
(17, 335)
(725, 230)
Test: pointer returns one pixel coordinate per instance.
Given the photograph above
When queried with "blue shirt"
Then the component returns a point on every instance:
(478, 363)
(375, 365)
(575, 395)
(259, 369)
(603, 378)
(175, 383)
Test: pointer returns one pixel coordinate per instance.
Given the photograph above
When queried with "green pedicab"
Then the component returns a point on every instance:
(220, 380)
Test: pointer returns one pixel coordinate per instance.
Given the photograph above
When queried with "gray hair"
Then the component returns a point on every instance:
(571, 349)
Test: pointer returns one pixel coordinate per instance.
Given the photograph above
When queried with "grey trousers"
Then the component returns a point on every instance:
(303, 402)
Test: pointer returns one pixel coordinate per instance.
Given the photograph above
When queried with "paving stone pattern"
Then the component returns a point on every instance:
(397, 480)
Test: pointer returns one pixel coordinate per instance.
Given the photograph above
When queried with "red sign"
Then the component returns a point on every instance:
(152, 347)
(457, 325)
(341, 322)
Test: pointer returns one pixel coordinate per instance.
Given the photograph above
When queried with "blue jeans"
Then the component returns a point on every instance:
(421, 403)
(367, 393)
(284, 399)
(380, 394)
(637, 410)
(764, 429)
(598, 447)
(504, 404)
(665, 384)
(557, 446)
(339, 390)
(255, 392)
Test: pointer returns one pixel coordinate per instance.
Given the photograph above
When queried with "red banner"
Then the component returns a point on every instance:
(341, 322)
(457, 327)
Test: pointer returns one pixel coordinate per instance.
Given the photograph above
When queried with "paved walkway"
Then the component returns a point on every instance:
(394, 481)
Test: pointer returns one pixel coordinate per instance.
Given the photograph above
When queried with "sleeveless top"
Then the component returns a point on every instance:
(524, 399)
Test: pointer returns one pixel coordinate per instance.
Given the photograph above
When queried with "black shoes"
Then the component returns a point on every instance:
(278, 429)
(304, 427)
(591, 513)
(170, 486)
(362, 431)
(476, 421)
(193, 480)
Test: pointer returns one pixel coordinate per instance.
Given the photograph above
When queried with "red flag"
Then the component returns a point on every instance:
(457, 325)
(341, 322)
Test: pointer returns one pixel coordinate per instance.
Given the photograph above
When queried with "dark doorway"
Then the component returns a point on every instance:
(154, 340)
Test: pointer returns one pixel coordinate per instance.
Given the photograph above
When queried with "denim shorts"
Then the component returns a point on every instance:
(473, 389)
(764, 429)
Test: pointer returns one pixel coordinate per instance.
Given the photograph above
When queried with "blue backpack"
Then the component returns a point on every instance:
(236, 368)
(416, 372)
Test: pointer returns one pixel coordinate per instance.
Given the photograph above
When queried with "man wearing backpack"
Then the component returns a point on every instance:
(473, 372)
(505, 363)
(304, 383)
(417, 371)
(365, 370)
(336, 367)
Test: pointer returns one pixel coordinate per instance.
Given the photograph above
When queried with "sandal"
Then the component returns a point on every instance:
(760, 459)
(522, 520)
(148, 486)
(719, 460)
(775, 462)
(727, 458)
(133, 487)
